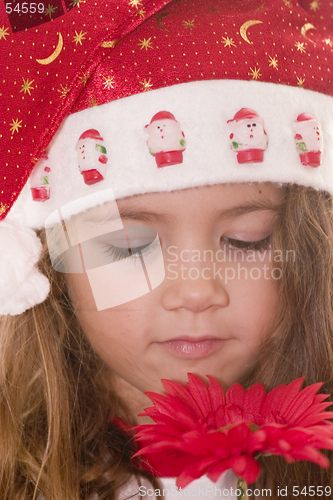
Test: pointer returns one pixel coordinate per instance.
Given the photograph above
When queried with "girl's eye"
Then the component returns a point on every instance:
(132, 242)
(129, 243)
(119, 253)
(247, 246)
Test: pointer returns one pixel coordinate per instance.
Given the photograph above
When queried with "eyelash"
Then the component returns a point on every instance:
(137, 252)
(247, 246)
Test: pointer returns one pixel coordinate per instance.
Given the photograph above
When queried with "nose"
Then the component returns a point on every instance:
(194, 286)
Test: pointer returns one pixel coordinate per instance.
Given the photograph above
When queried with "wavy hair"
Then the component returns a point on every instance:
(57, 439)
(301, 344)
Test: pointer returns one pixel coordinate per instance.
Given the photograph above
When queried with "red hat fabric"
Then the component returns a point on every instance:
(48, 57)
(106, 51)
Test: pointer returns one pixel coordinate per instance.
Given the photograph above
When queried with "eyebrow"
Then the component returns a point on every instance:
(254, 206)
(130, 213)
(126, 213)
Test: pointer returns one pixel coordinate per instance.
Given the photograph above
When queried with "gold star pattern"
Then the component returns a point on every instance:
(135, 3)
(145, 44)
(273, 62)
(255, 72)
(50, 10)
(188, 24)
(78, 37)
(92, 102)
(109, 44)
(315, 5)
(141, 13)
(27, 86)
(84, 78)
(300, 81)
(15, 125)
(77, 2)
(300, 46)
(3, 208)
(3, 32)
(228, 42)
(108, 82)
(146, 84)
(63, 91)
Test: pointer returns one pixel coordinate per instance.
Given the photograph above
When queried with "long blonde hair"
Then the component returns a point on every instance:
(57, 437)
(302, 342)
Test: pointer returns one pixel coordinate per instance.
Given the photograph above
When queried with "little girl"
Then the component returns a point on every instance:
(168, 211)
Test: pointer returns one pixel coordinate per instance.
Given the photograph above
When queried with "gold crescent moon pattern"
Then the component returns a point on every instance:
(159, 20)
(306, 27)
(245, 26)
(54, 54)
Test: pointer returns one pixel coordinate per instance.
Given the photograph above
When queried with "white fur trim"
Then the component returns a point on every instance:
(22, 285)
(202, 109)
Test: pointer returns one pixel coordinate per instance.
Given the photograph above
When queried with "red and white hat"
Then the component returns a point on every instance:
(91, 134)
(162, 115)
(245, 114)
(201, 66)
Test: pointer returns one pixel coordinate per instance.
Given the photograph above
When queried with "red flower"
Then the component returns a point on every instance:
(200, 430)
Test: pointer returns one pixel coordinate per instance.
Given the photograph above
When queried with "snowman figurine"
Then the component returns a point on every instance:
(91, 156)
(309, 139)
(166, 140)
(248, 136)
(39, 180)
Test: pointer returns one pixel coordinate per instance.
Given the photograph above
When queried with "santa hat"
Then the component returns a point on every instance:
(116, 67)
(304, 119)
(161, 115)
(245, 114)
(91, 134)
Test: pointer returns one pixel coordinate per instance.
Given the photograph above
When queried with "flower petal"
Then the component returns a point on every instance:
(199, 430)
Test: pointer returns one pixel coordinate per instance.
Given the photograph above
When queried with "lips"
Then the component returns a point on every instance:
(193, 347)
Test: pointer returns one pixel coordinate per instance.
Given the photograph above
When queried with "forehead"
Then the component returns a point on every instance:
(206, 200)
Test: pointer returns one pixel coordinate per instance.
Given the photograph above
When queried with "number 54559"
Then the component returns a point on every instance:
(25, 8)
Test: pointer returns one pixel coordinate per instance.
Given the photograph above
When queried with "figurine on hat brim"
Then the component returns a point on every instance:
(166, 140)
(92, 156)
(248, 136)
(309, 139)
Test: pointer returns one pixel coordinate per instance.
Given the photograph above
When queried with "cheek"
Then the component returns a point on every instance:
(254, 294)
(255, 309)
(112, 332)
(80, 293)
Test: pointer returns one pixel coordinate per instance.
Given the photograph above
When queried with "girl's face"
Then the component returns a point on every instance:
(217, 301)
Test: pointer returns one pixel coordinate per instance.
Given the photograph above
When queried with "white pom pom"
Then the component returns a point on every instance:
(22, 285)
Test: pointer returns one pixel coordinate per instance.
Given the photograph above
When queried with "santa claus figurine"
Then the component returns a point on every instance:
(309, 139)
(166, 140)
(92, 156)
(248, 136)
(39, 180)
